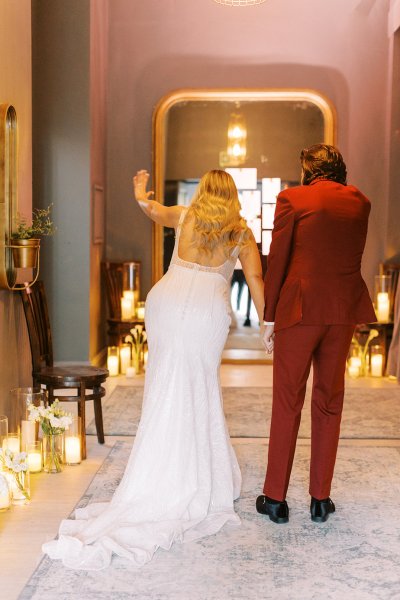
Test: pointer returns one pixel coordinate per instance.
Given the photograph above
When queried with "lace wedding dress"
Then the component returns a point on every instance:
(182, 475)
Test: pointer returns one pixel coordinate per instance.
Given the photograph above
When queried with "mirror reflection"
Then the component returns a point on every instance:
(258, 141)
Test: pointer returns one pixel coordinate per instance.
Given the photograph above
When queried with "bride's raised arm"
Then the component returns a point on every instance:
(168, 216)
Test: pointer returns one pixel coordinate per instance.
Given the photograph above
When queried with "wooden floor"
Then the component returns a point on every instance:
(24, 529)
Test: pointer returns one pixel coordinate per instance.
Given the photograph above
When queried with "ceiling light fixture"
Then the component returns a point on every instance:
(239, 2)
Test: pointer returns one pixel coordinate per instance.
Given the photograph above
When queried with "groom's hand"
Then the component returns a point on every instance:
(268, 338)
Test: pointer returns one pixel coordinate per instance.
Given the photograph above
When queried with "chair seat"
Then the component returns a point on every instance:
(70, 374)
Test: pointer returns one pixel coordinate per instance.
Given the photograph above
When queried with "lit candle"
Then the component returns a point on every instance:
(131, 296)
(130, 372)
(127, 308)
(354, 366)
(113, 365)
(125, 357)
(72, 450)
(376, 365)
(28, 433)
(5, 499)
(140, 312)
(35, 462)
(382, 307)
(12, 443)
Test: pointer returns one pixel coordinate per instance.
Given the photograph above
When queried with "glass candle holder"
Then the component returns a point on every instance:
(20, 487)
(140, 310)
(19, 418)
(13, 442)
(354, 362)
(125, 357)
(377, 360)
(382, 297)
(131, 280)
(113, 360)
(72, 443)
(35, 460)
(5, 493)
(3, 430)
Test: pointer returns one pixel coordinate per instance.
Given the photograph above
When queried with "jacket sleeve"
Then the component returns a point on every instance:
(279, 255)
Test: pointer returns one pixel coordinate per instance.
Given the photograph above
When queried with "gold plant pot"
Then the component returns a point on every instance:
(25, 253)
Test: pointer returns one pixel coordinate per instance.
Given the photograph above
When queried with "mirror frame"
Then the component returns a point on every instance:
(211, 95)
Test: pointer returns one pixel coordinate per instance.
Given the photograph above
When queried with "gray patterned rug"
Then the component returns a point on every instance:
(354, 556)
(368, 413)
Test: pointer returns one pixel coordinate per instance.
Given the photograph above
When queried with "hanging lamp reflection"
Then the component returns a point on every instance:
(237, 135)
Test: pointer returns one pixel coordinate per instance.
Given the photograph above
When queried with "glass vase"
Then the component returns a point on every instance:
(5, 493)
(20, 487)
(138, 361)
(53, 450)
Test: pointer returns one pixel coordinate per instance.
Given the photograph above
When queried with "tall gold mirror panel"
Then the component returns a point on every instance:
(257, 135)
(8, 190)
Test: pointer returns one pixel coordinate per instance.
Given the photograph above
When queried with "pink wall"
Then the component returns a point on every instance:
(15, 89)
(333, 47)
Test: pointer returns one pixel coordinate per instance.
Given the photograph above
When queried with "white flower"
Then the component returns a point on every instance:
(8, 462)
(17, 468)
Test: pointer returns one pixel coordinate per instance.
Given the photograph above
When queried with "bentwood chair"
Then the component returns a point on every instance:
(86, 380)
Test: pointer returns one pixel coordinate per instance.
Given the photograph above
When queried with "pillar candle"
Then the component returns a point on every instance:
(35, 462)
(140, 312)
(5, 499)
(113, 365)
(376, 365)
(125, 357)
(12, 443)
(28, 433)
(130, 372)
(354, 366)
(382, 307)
(72, 450)
(127, 308)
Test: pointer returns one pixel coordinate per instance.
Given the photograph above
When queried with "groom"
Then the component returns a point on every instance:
(314, 296)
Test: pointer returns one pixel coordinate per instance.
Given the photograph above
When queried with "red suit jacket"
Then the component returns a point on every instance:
(313, 269)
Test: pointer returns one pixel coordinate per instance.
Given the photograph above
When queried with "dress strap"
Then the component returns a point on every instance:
(236, 250)
(181, 218)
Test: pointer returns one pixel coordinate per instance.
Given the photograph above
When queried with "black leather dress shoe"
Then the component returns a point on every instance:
(321, 509)
(278, 512)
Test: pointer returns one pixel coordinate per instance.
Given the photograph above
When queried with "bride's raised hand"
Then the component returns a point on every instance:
(140, 181)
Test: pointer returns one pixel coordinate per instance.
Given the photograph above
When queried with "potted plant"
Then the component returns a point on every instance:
(25, 240)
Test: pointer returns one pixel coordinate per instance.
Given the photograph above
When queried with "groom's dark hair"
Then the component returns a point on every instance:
(322, 161)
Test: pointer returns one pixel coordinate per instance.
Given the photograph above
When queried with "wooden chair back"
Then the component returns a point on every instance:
(38, 322)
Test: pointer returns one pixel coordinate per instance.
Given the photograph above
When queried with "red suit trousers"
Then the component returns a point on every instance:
(295, 349)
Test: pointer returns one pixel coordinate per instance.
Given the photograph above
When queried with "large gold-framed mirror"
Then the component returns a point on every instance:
(255, 133)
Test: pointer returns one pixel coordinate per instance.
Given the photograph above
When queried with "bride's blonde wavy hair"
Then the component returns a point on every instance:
(216, 211)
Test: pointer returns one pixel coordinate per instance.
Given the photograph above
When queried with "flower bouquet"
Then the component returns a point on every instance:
(15, 465)
(137, 339)
(53, 422)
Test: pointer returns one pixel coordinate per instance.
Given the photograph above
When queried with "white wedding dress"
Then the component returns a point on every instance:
(182, 475)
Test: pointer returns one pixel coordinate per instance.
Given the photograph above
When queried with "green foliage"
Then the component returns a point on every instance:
(41, 225)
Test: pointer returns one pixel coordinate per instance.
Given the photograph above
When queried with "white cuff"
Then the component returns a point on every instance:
(269, 322)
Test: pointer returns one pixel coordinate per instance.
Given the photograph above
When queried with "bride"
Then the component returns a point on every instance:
(182, 475)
